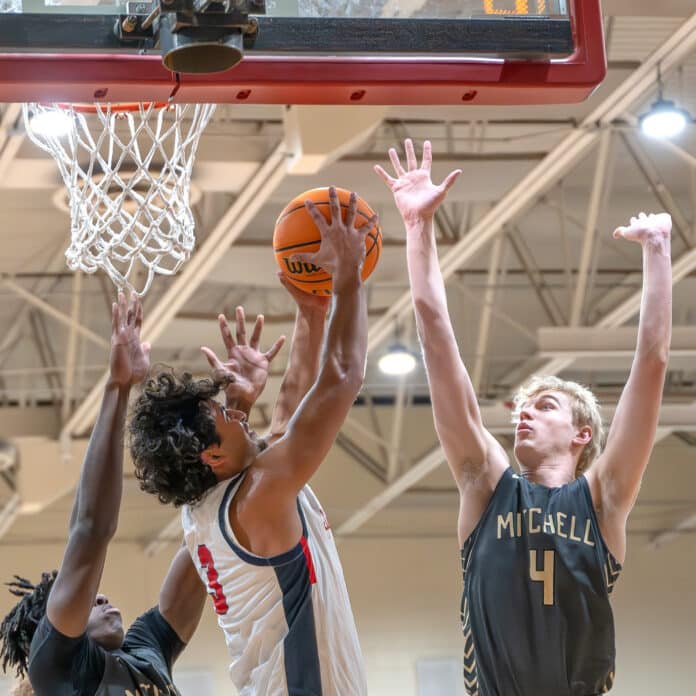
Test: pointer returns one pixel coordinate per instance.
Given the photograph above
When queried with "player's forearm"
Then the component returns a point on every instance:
(440, 349)
(427, 285)
(455, 406)
(302, 368)
(655, 324)
(345, 351)
(98, 496)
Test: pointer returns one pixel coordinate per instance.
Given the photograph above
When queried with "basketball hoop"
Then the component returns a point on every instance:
(127, 168)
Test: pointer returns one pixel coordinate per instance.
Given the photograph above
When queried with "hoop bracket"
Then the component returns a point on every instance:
(194, 36)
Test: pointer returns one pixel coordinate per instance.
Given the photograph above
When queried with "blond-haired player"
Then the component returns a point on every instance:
(541, 549)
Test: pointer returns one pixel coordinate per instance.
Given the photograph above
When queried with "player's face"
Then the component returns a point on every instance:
(105, 624)
(545, 428)
(238, 443)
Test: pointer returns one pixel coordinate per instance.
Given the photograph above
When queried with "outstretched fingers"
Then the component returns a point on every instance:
(122, 310)
(352, 210)
(241, 325)
(226, 333)
(212, 359)
(256, 333)
(318, 219)
(138, 314)
(427, 161)
(371, 225)
(411, 160)
(396, 163)
(334, 204)
(274, 349)
(382, 174)
(447, 184)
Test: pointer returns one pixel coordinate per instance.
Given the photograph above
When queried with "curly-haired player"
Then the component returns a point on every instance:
(66, 636)
(255, 529)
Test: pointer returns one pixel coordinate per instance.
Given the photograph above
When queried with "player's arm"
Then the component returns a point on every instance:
(95, 516)
(182, 596)
(292, 460)
(470, 450)
(305, 353)
(620, 468)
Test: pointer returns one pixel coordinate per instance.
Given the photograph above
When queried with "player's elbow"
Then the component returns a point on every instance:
(427, 308)
(655, 357)
(346, 373)
(90, 529)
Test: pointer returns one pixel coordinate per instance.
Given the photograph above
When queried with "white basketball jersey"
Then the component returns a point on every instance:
(287, 619)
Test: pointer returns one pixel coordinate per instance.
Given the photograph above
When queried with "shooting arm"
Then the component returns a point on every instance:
(313, 428)
(302, 368)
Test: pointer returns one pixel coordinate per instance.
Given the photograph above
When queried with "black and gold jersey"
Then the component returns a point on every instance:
(535, 609)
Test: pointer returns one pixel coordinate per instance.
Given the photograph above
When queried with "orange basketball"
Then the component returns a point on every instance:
(295, 232)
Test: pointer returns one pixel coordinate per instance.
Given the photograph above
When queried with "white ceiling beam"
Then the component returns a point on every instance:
(596, 198)
(317, 136)
(686, 524)
(10, 138)
(71, 350)
(486, 312)
(52, 312)
(9, 513)
(600, 342)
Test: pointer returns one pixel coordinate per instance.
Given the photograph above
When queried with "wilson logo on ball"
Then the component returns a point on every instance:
(297, 267)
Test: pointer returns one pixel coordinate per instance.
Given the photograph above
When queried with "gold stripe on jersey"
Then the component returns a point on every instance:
(612, 570)
(470, 668)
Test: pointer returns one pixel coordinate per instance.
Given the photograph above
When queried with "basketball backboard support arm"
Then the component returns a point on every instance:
(479, 60)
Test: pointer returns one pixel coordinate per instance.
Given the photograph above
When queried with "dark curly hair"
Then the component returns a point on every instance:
(18, 627)
(170, 426)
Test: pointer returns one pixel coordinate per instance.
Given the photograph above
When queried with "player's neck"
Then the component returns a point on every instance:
(550, 473)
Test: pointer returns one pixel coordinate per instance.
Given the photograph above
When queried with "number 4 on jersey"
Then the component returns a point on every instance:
(544, 575)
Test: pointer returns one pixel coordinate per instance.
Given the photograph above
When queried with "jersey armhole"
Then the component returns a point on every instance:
(612, 568)
(470, 540)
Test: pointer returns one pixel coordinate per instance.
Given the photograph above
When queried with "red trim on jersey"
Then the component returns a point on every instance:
(216, 592)
(310, 562)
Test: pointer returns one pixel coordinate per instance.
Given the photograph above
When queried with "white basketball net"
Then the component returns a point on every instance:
(128, 175)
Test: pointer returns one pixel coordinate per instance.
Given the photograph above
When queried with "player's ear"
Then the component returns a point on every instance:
(213, 457)
(583, 436)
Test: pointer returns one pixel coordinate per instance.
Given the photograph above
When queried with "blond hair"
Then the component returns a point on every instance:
(584, 406)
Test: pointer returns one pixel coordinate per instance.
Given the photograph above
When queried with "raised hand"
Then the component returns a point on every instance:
(646, 228)
(414, 192)
(342, 249)
(130, 359)
(246, 367)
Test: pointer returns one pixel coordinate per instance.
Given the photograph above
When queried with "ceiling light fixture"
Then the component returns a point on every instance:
(398, 360)
(665, 119)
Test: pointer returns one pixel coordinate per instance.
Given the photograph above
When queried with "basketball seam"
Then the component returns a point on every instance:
(318, 205)
(371, 235)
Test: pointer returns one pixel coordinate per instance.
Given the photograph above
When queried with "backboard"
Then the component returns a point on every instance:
(305, 51)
